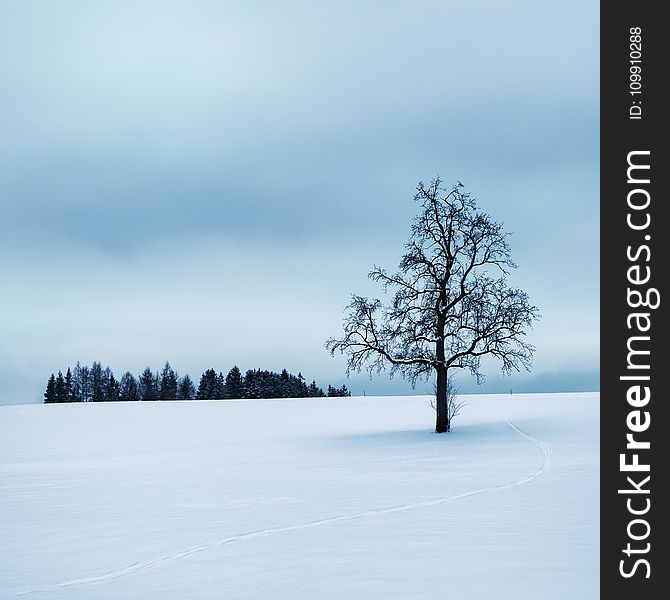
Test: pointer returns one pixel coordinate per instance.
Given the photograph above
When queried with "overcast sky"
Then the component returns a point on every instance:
(207, 182)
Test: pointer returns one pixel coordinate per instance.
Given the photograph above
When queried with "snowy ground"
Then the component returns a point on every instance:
(301, 499)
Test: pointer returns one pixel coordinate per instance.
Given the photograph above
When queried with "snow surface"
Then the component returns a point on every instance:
(308, 498)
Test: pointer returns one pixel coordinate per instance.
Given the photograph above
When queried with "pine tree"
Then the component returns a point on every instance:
(77, 395)
(203, 392)
(128, 388)
(284, 388)
(302, 387)
(61, 394)
(68, 386)
(86, 391)
(208, 388)
(220, 389)
(148, 385)
(97, 382)
(233, 387)
(315, 391)
(107, 378)
(113, 389)
(185, 389)
(334, 392)
(250, 383)
(50, 393)
(168, 383)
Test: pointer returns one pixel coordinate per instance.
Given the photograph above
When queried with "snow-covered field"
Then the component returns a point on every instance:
(301, 499)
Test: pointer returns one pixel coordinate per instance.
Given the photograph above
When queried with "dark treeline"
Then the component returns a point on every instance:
(98, 384)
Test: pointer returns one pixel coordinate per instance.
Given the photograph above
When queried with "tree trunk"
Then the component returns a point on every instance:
(441, 407)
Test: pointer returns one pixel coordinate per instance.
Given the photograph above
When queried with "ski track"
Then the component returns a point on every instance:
(148, 564)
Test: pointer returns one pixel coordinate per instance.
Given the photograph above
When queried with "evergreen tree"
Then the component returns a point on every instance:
(234, 387)
(285, 386)
(50, 393)
(334, 392)
(97, 382)
(168, 383)
(302, 387)
(315, 391)
(220, 389)
(69, 392)
(76, 383)
(203, 392)
(61, 394)
(107, 392)
(185, 389)
(86, 391)
(250, 384)
(129, 390)
(148, 385)
(113, 389)
(208, 388)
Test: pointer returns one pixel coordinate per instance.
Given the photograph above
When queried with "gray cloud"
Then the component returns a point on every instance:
(157, 156)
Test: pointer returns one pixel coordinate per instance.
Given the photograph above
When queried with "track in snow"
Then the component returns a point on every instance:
(149, 564)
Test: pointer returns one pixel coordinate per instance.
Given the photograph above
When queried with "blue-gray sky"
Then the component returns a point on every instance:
(206, 182)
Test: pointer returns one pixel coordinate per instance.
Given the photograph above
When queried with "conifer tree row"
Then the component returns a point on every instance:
(98, 384)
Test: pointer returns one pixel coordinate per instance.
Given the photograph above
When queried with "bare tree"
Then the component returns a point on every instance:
(451, 303)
